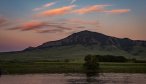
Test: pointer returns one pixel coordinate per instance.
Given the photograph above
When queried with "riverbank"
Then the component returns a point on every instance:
(63, 67)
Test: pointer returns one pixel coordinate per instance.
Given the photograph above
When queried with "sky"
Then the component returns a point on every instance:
(25, 23)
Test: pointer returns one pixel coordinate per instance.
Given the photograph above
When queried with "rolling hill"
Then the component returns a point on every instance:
(79, 44)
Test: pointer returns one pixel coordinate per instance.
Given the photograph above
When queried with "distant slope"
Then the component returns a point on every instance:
(78, 45)
(91, 38)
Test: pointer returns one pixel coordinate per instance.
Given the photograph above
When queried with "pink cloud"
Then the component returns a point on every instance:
(89, 9)
(32, 25)
(118, 11)
(39, 26)
(57, 11)
(29, 26)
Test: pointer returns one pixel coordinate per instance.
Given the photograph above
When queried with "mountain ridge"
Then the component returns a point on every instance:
(90, 38)
(77, 45)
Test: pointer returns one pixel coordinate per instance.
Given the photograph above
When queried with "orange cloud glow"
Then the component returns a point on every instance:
(57, 11)
(118, 11)
(94, 8)
(30, 26)
(40, 26)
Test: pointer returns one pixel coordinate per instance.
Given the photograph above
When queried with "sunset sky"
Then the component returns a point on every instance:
(25, 23)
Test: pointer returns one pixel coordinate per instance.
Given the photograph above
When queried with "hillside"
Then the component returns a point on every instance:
(78, 45)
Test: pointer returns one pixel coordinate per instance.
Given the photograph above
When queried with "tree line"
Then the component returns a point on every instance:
(110, 58)
(114, 58)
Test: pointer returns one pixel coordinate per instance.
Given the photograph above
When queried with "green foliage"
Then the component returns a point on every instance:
(91, 65)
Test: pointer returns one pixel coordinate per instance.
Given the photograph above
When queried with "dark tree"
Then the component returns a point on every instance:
(91, 65)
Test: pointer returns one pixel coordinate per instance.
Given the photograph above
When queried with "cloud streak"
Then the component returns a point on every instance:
(100, 8)
(57, 11)
(90, 9)
(44, 6)
(40, 26)
(50, 31)
(73, 1)
(29, 26)
(68, 24)
(118, 11)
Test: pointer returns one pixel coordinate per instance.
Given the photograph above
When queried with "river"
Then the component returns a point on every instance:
(104, 78)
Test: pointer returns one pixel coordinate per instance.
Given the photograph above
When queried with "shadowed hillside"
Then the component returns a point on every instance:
(79, 44)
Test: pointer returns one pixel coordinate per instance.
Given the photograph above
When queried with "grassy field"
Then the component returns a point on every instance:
(62, 67)
(73, 52)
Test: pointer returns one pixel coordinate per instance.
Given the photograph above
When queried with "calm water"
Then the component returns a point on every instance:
(106, 78)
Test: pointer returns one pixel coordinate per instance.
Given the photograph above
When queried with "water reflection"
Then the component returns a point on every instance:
(91, 69)
(76, 78)
(100, 79)
(88, 78)
(82, 80)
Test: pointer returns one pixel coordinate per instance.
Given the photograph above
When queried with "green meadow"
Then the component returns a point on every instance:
(68, 59)
(64, 67)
